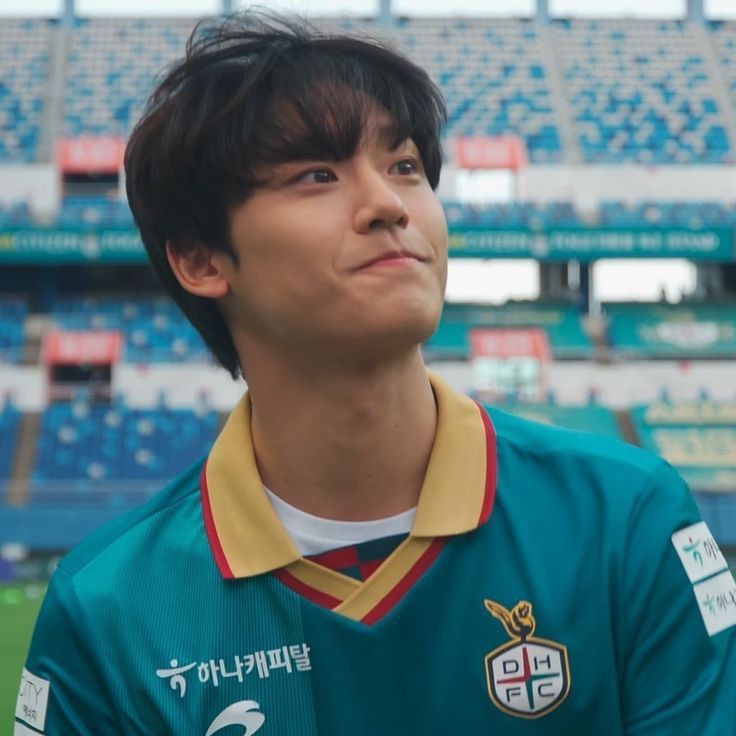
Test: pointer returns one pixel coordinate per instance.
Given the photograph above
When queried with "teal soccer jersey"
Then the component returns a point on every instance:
(553, 583)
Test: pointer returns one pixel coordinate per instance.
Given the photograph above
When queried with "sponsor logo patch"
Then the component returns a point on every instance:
(528, 677)
(698, 552)
(33, 698)
(717, 602)
(243, 713)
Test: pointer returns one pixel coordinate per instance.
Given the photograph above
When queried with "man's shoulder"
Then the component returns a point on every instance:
(167, 512)
(587, 465)
(522, 434)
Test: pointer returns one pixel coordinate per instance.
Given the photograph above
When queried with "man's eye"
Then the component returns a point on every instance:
(318, 176)
(406, 167)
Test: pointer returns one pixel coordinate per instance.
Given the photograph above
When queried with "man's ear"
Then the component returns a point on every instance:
(200, 271)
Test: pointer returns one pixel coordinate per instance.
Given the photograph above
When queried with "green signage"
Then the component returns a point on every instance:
(53, 245)
(704, 413)
(586, 244)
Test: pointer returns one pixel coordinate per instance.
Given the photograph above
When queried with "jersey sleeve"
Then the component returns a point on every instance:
(63, 689)
(678, 647)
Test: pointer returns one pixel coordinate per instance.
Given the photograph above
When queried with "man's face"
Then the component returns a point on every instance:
(348, 255)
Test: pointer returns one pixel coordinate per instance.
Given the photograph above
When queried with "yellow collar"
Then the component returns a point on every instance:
(247, 537)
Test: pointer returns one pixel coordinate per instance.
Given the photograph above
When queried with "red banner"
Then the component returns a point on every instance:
(91, 155)
(82, 348)
(490, 152)
(529, 342)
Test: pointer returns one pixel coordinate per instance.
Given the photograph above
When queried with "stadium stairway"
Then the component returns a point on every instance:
(25, 459)
(563, 111)
(626, 427)
(53, 104)
(718, 82)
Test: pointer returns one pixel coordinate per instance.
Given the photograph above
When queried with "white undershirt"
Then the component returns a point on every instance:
(313, 534)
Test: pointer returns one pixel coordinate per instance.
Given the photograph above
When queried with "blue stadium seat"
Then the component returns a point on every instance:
(154, 329)
(124, 453)
(493, 76)
(92, 213)
(111, 65)
(10, 418)
(24, 60)
(691, 215)
(640, 91)
(527, 215)
(12, 329)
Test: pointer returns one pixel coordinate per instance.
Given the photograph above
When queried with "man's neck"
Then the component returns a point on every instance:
(348, 444)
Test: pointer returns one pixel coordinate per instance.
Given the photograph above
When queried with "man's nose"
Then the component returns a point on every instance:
(377, 204)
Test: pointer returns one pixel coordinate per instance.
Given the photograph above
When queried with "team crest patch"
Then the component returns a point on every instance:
(528, 677)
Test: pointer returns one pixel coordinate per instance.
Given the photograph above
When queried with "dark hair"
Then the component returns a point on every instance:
(255, 90)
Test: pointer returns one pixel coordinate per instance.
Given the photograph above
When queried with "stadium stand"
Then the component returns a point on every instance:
(640, 91)
(692, 215)
(25, 45)
(685, 330)
(530, 215)
(111, 62)
(9, 422)
(154, 329)
(699, 439)
(723, 35)
(84, 447)
(92, 213)
(12, 332)
(493, 75)
(561, 321)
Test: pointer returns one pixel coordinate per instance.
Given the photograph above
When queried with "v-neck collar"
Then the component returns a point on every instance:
(247, 538)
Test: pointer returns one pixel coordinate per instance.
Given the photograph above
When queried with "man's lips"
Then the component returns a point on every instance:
(394, 257)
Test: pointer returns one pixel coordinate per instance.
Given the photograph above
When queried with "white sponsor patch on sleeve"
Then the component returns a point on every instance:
(717, 601)
(33, 697)
(698, 552)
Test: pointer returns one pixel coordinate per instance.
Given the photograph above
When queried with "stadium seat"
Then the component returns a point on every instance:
(85, 448)
(10, 418)
(493, 76)
(92, 213)
(527, 215)
(25, 46)
(640, 91)
(111, 65)
(691, 215)
(154, 329)
(12, 330)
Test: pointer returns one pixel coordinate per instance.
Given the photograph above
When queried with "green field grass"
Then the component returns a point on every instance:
(19, 604)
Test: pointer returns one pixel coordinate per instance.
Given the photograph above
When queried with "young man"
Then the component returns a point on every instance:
(364, 551)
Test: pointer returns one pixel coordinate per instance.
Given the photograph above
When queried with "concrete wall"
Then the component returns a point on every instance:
(40, 186)
(618, 386)
(587, 185)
